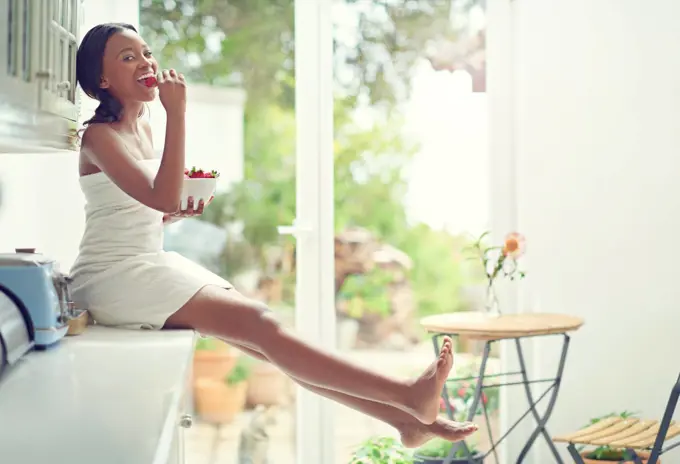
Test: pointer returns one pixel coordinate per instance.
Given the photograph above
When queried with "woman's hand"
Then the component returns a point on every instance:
(191, 211)
(172, 91)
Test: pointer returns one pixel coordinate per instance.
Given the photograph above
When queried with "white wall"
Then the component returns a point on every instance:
(42, 204)
(592, 148)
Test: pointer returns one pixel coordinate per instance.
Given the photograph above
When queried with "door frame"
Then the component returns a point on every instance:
(501, 56)
(314, 225)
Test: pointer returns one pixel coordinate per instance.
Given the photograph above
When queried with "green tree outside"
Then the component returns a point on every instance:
(250, 43)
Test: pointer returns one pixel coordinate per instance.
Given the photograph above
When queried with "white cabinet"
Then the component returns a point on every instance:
(17, 60)
(56, 55)
(112, 396)
(38, 98)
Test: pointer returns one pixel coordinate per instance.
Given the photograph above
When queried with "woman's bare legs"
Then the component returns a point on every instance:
(413, 432)
(226, 314)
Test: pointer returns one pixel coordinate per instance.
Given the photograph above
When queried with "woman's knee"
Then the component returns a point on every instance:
(226, 313)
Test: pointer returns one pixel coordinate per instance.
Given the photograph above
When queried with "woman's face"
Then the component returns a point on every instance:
(127, 61)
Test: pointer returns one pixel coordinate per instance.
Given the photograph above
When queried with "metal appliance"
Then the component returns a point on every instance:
(43, 289)
(16, 329)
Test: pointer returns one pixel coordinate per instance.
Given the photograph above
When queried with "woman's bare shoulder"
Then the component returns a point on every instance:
(96, 131)
(89, 140)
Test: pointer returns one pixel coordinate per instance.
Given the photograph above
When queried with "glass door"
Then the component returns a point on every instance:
(259, 111)
(411, 192)
(313, 226)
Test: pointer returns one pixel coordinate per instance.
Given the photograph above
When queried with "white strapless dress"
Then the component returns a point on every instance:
(122, 275)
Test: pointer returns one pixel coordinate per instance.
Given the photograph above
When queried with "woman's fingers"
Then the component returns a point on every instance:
(201, 205)
(190, 207)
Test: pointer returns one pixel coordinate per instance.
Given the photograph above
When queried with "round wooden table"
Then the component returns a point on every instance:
(479, 326)
(490, 329)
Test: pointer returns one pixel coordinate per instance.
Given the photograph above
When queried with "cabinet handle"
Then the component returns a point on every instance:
(43, 74)
(186, 421)
(64, 86)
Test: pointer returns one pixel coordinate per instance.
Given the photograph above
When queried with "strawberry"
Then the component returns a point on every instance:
(150, 81)
(200, 174)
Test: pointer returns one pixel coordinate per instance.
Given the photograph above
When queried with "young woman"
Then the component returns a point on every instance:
(123, 276)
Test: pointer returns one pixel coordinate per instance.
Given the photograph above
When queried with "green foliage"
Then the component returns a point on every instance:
(367, 293)
(438, 271)
(239, 373)
(380, 450)
(250, 43)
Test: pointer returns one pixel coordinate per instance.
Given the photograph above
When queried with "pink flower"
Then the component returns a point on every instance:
(452, 403)
(514, 245)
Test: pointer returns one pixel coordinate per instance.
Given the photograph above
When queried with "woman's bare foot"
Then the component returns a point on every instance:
(417, 434)
(427, 389)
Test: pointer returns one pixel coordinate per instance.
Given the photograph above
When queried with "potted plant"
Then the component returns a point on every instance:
(607, 453)
(267, 385)
(213, 359)
(219, 401)
(460, 393)
(461, 396)
(437, 451)
(362, 300)
(381, 450)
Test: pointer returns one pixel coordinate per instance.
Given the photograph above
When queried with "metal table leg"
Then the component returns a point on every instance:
(541, 420)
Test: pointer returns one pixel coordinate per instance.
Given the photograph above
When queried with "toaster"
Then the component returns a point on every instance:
(42, 289)
(16, 329)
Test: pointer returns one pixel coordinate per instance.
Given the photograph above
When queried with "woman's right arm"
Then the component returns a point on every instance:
(105, 148)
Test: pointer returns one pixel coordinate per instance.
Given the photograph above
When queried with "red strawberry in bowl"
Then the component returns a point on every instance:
(194, 173)
(198, 184)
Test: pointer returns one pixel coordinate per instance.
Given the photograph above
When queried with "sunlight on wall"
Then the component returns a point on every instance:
(449, 179)
(43, 205)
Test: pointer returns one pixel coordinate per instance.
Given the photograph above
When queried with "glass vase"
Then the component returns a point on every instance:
(492, 308)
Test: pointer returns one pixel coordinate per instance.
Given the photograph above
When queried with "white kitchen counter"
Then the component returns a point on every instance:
(107, 396)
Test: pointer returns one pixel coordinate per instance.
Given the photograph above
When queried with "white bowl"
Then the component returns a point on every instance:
(200, 189)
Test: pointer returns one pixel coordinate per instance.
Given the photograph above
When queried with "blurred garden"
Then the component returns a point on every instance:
(388, 266)
(391, 268)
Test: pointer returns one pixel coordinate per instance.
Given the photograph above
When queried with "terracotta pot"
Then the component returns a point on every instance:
(214, 364)
(267, 386)
(643, 457)
(217, 402)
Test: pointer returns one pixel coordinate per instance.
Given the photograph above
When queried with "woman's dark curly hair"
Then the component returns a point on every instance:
(89, 71)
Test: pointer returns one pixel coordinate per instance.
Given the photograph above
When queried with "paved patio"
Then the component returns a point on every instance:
(207, 444)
